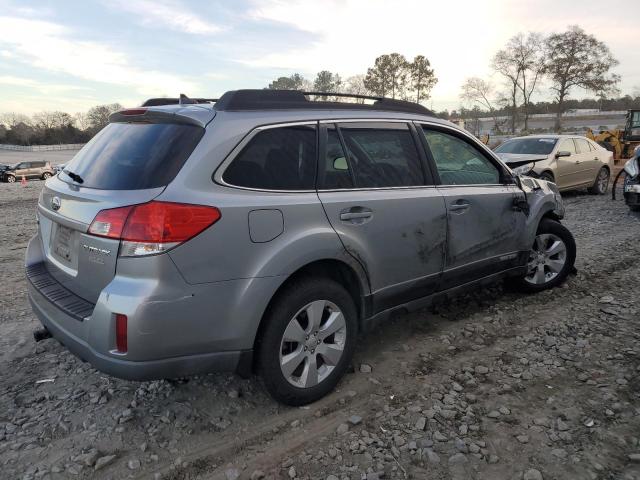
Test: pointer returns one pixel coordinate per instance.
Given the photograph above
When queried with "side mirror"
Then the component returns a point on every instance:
(563, 153)
(340, 163)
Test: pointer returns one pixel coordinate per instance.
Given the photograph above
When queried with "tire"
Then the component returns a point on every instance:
(46, 175)
(547, 176)
(285, 379)
(634, 208)
(545, 271)
(601, 183)
(11, 179)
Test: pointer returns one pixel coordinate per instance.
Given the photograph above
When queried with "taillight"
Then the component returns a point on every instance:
(153, 227)
(121, 333)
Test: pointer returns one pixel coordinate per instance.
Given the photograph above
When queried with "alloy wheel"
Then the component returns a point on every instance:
(313, 344)
(603, 180)
(547, 258)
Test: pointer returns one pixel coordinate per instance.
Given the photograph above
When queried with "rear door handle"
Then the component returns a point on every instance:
(459, 206)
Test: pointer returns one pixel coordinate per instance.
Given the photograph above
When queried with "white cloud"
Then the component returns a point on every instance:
(48, 46)
(166, 14)
(45, 88)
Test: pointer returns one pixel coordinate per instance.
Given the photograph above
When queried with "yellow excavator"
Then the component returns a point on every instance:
(621, 142)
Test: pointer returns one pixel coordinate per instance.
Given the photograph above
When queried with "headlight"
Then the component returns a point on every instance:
(631, 167)
(523, 169)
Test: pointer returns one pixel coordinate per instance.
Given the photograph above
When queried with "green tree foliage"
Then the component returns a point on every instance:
(422, 78)
(394, 76)
(294, 82)
(98, 116)
(577, 59)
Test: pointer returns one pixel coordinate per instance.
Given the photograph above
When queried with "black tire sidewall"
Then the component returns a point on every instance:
(595, 189)
(294, 297)
(548, 225)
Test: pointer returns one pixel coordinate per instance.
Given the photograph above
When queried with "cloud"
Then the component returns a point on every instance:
(49, 46)
(154, 13)
(42, 87)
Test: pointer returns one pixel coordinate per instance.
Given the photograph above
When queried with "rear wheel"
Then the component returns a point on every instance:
(551, 257)
(308, 340)
(601, 183)
(11, 179)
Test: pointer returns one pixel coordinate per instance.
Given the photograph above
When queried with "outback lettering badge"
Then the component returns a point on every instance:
(97, 250)
(55, 203)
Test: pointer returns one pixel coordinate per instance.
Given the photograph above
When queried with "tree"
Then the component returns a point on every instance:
(528, 53)
(294, 82)
(577, 59)
(388, 76)
(505, 62)
(98, 116)
(327, 82)
(477, 91)
(355, 85)
(422, 78)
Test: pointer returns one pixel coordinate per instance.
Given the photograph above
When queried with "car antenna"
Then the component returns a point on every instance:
(184, 100)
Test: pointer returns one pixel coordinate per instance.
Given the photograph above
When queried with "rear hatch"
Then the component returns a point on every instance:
(128, 163)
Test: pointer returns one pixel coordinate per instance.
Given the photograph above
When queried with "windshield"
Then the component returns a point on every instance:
(534, 146)
(133, 156)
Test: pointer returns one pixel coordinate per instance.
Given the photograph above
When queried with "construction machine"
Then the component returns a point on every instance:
(621, 142)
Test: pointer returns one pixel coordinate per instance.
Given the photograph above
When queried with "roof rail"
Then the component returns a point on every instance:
(265, 99)
(155, 102)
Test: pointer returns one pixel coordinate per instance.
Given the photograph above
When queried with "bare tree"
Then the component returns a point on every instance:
(528, 53)
(505, 62)
(81, 120)
(577, 59)
(11, 119)
(477, 91)
(98, 116)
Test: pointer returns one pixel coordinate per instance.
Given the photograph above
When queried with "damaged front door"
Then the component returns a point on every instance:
(386, 213)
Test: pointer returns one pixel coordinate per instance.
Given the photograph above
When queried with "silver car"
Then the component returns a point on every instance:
(570, 161)
(265, 231)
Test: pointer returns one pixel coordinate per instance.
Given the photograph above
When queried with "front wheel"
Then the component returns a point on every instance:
(308, 340)
(46, 175)
(551, 257)
(601, 183)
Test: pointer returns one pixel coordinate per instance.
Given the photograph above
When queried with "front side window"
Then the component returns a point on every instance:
(383, 155)
(458, 162)
(567, 145)
(281, 158)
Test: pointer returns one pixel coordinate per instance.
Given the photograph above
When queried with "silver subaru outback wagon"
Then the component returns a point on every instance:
(265, 230)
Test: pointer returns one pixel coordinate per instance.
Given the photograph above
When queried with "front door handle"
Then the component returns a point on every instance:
(355, 215)
(459, 206)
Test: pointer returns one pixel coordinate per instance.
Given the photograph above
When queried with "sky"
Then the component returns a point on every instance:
(72, 55)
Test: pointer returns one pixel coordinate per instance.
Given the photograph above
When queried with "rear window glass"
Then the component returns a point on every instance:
(134, 156)
(282, 158)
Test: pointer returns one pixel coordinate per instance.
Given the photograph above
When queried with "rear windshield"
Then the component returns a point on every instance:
(537, 146)
(134, 156)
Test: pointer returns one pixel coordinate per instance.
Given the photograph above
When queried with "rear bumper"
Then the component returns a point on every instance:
(54, 319)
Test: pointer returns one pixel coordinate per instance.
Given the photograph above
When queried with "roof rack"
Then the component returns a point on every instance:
(239, 100)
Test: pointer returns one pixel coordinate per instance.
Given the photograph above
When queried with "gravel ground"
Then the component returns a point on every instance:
(494, 385)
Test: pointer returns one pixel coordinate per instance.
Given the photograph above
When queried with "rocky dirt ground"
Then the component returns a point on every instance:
(494, 385)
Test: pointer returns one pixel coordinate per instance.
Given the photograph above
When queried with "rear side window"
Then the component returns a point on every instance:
(382, 155)
(134, 156)
(282, 158)
(583, 145)
(336, 173)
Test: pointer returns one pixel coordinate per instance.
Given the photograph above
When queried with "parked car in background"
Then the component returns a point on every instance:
(266, 230)
(58, 168)
(28, 170)
(571, 162)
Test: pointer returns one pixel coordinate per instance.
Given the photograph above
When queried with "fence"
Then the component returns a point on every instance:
(42, 148)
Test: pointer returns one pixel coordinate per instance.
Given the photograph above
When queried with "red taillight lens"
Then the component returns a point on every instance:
(121, 333)
(110, 223)
(154, 223)
(164, 222)
(133, 111)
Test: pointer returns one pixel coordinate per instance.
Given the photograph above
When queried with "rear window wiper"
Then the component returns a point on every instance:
(74, 176)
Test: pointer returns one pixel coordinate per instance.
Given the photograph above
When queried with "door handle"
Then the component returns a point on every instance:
(459, 206)
(356, 215)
